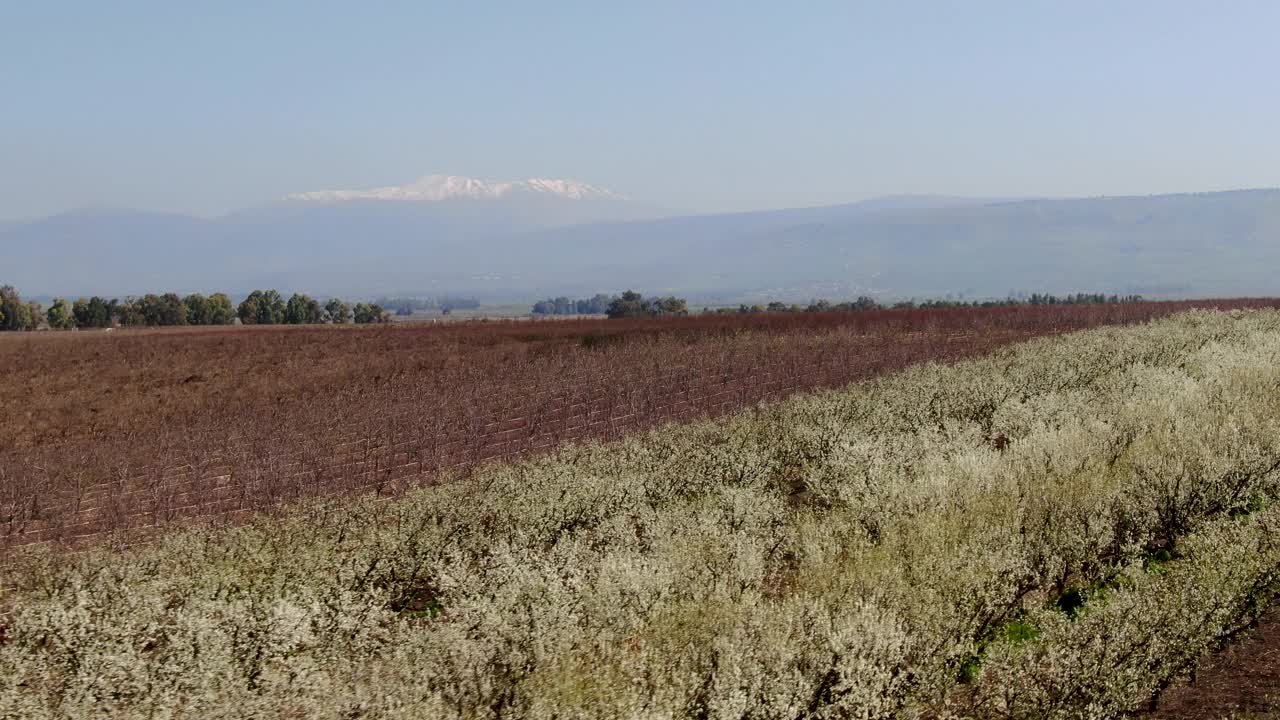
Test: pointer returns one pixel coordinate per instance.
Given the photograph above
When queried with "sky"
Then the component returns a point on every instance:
(208, 107)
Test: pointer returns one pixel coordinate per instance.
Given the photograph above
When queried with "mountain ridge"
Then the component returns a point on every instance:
(522, 245)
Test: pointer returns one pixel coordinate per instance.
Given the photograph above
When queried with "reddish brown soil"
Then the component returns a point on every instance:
(1241, 681)
(100, 431)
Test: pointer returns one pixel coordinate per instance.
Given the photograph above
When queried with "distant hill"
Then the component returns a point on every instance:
(1194, 244)
(448, 234)
(349, 241)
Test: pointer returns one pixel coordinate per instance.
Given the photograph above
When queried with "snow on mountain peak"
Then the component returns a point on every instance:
(435, 188)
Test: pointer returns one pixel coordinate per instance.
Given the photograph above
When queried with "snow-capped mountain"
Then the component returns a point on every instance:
(436, 188)
(535, 242)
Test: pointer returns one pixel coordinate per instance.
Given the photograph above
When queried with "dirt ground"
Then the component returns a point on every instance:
(1242, 681)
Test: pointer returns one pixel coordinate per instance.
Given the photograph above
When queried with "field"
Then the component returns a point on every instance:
(1060, 528)
(139, 429)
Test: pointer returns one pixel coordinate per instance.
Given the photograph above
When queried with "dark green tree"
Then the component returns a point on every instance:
(247, 310)
(94, 312)
(676, 306)
(628, 304)
(597, 305)
(262, 307)
(303, 310)
(218, 310)
(60, 315)
(337, 311)
(130, 312)
(368, 313)
(633, 304)
(17, 314)
(35, 313)
(197, 309)
(166, 309)
(80, 313)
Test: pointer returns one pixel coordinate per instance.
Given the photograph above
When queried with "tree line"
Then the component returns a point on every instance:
(867, 303)
(446, 304)
(597, 305)
(261, 307)
(628, 304)
(269, 307)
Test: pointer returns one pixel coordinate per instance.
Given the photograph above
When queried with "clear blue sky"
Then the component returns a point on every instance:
(210, 106)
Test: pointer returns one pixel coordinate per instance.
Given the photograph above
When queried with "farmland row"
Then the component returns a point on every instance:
(411, 429)
(407, 446)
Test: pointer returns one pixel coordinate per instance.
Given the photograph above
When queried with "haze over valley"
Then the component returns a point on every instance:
(509, 240)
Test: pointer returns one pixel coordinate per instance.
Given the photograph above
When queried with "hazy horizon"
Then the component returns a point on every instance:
(662, 211)
(714, 108)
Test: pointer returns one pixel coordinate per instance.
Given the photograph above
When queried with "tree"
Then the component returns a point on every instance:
(337, 311)
(628, 304)
(633, 304)
(93, 313)
(150, 310)
(167, 309)
(101, 311)
(80, 313)
(213, 310)
(366, 313)
(173, 312)
(60, 315)
(302, 310)
(676, 306)
(197, 309)
(247, 311)
(449, 304)
(17, 314)
(262, 307)
(34, 314)
(218, 310)
(597, 305)
(130, 312)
